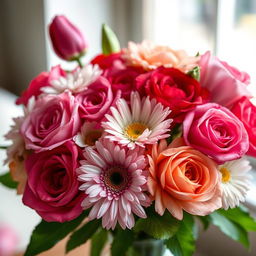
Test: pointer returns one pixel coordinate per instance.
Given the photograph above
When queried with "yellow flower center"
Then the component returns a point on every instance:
(225, 175)
(92, 137)
(134, 130)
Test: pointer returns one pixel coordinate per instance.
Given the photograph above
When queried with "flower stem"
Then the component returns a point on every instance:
(3, 147)
(79, 62)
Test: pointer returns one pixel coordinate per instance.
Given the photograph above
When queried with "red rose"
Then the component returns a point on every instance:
(246, 113)
(173, 89)
(42, 80)
(106, 61)
(122, 78)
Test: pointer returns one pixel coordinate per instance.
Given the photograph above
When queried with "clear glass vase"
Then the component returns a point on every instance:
(148, 247)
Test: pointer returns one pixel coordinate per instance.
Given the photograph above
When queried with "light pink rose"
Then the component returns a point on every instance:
(215, 131)
(52, 186)
(42, 80)
(53, 121)
(246, 112)
(8, 240)
(96, 101)
(225, 83)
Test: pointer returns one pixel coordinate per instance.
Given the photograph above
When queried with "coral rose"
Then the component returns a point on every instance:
(225, 83)
(246, 112)
(42, 80)
(174, 89)
(53, 121)
(52, 186)
(182, 178)
(215, 131)
(150, 56)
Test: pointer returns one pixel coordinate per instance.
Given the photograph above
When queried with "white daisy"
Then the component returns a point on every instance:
(144, 122)
(74, 81)
(17, 148)
(88, 135)
(235, 182)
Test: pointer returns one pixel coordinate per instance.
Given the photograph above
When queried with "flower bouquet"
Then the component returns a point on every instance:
(132, 147)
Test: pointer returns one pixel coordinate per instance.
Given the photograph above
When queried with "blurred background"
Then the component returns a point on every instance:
(226, 27)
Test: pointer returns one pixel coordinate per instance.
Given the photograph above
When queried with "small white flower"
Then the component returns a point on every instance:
(144, 122)
(17, 148)
(88, 135)
(235, 182)
(76, 81)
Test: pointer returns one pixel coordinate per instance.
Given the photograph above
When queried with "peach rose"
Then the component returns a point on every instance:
(182, 178)
(150, 56)
(18, 172)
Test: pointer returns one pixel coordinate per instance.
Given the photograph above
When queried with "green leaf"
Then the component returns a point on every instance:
(110, 43)
(240, 216)
(206, 220)
(195, 73)
(99, 239)
(230, 228)
(3, 147)
(7, 181)
(122, 241)
(183, 243)
(47, 234)
(159, 227)
(81, 235)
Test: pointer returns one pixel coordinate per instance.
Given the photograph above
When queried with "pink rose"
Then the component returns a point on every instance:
(225, 83)
(53, 121)
(216, 132)
(52, 186)
(246, 112)
(42, 80)
(96, 100)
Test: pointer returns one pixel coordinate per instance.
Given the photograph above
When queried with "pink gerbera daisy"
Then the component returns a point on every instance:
(144, 122)
(114, 181)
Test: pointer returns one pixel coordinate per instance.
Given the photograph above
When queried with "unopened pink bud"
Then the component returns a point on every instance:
(67, 40)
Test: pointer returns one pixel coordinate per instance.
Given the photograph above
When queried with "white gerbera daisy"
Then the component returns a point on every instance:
(235, 182)
(76, 81)
(144, 122)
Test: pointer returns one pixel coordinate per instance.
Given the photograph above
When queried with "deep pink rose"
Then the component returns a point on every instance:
(246, 112)
(96, 101)
(173, 89)
(67, 40)
(225, 83)
(52, 186)
(42, 80)
(215, 131)
(53, 121)
(122, 78)
(107, 61)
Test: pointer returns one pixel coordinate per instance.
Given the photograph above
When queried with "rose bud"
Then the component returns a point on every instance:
(67, 40)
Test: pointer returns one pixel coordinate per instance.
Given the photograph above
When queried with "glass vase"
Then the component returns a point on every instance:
(148, 247)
